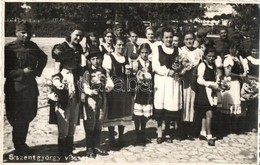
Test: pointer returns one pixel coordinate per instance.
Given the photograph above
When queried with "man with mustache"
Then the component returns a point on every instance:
(24, 60)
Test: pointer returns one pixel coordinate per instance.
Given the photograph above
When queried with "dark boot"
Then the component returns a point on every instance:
(97, 139)
(69, 145)
(144, 138)
(91, 152)
(62, 149)
(90, 143)
(138, 139)
(114, 146)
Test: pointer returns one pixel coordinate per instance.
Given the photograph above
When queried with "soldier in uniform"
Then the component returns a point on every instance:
(24, 60)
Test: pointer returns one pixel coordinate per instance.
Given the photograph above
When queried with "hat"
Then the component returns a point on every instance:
(23, 26)
(93, 52)
(202, 32)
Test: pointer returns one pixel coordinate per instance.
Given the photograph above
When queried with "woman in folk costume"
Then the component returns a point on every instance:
(230, 101)
(252, 100)
(193, 57)
(120, 99)
(69, 69)
(107, 46)
(149, 33)
(167, 89)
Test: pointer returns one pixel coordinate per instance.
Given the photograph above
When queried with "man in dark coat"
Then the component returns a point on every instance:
(131, 50)
(24, 60)
(223, 43)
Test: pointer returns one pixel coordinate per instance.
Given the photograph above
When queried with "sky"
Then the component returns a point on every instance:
(218, 9)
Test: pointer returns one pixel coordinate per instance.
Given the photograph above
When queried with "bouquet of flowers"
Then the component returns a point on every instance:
(224, 83)
(181, 65)
(97, 80)
(55, 88)
(249, 90)
(143, 77)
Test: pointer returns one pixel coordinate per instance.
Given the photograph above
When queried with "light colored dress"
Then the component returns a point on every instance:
(229, 102)
(189, 82)
(167, 90)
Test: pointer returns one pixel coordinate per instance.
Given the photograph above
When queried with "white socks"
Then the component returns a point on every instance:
(209, 136)
(203, 133)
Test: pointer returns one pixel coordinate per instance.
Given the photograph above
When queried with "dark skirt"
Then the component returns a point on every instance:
(53, 116)
(163, 114)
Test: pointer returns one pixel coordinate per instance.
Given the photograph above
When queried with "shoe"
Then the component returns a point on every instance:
(20, 152)
(168, 139)
(201, 137)
(180, 138)
(114, 146)
(91, 153)
(101, 152)
(69, 145)
(159, 140)
(122, 143)
(189, 137)
(211, 142)
(138, 142)
(146, 140)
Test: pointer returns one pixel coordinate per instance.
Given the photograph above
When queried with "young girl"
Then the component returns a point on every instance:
(144, 99)
(206, 99)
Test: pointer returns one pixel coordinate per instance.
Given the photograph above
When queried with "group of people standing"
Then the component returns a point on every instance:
(181, 80)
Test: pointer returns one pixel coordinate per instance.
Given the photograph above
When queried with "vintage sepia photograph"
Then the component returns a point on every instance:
(130, 82)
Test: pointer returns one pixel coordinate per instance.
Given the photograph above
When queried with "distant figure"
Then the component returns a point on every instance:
(24, 60)
(119, 30)
(223, 43)
(107, 46)
(131, 50)
(149, 33)
(201, 39)
(92, 40)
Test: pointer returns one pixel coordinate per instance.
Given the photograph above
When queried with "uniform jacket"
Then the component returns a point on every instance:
(18, 56)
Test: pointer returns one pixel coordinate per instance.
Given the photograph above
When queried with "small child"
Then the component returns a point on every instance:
(94, 85)
(206, 98)
(144, 96)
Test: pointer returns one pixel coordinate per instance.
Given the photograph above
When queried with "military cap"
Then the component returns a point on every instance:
(23, 26)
